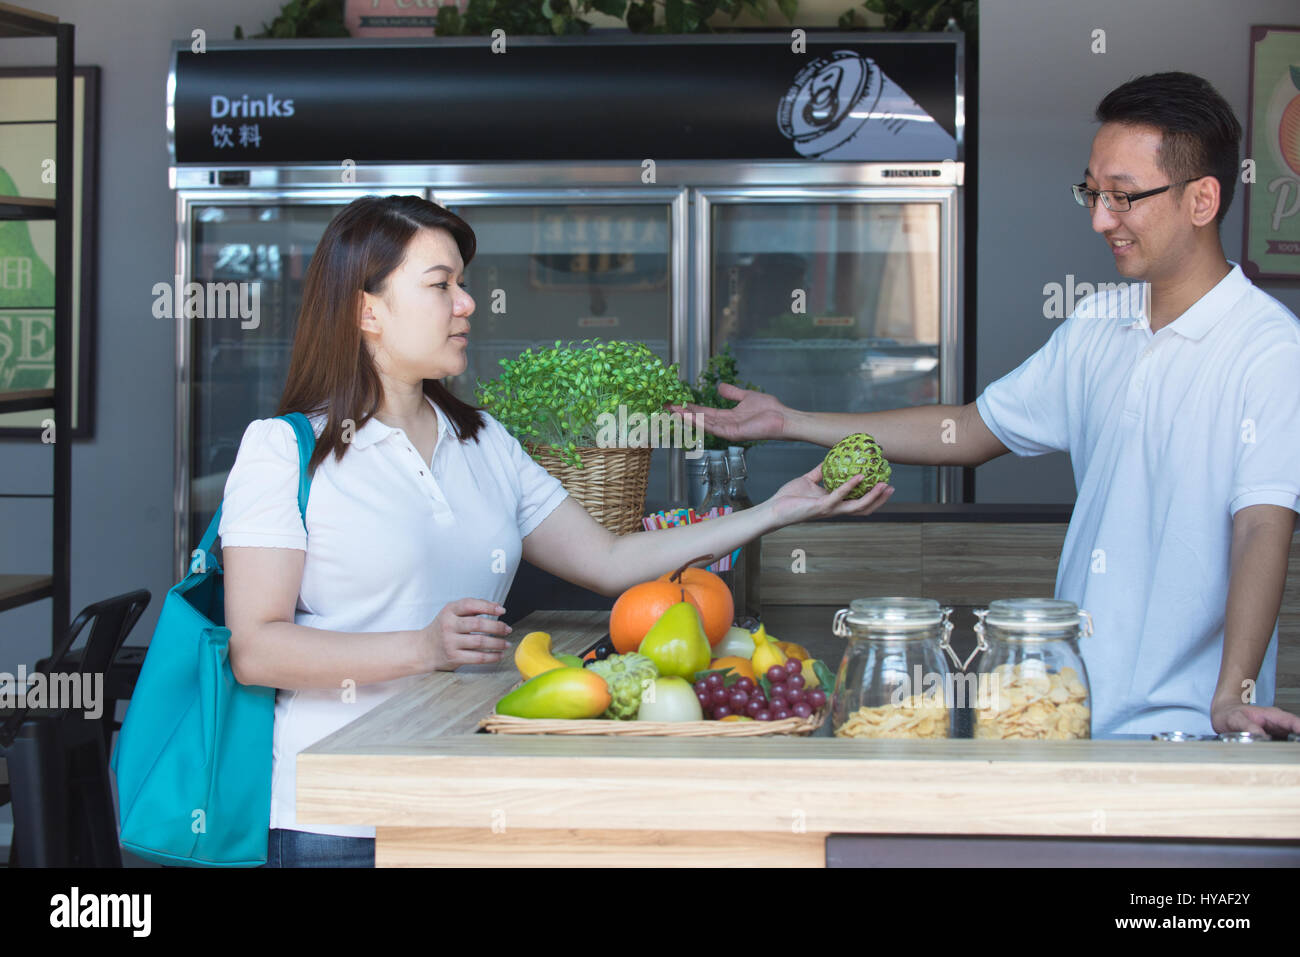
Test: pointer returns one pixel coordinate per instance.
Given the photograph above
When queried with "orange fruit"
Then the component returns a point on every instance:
(736, 717)
(638, 608)
(793, 650)
(710, 594)
(740, 666)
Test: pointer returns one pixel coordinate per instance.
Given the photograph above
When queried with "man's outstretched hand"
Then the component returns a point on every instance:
(758, 416)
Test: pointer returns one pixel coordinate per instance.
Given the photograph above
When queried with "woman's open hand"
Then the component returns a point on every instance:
(803, 498)
(461, 636)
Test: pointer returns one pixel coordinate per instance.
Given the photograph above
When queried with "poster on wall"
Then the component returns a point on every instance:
(1272, 242)
(27, 111)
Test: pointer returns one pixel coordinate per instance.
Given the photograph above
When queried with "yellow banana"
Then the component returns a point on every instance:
(766, 653)
(533, 655)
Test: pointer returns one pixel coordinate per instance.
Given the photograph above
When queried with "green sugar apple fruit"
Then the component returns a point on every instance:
(853, 454)
(627, 676)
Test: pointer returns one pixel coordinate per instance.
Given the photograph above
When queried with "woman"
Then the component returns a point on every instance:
(415, 499)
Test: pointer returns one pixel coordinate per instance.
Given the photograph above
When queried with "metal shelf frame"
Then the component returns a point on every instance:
(23, 589)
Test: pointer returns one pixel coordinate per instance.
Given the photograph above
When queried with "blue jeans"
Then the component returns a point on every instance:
(287, 848)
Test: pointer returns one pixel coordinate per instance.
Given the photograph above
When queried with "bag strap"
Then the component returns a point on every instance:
(306, 438)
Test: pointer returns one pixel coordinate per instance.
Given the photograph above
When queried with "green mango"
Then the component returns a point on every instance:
(558, 693)
(570, 661)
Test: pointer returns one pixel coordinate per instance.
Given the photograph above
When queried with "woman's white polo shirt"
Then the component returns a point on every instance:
(390, 540)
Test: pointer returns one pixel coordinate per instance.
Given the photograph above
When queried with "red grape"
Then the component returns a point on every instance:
(738, 700)
(802, 710)
(793, 666)
(778, 689)
(744, 684)
(795, 695)
(706, 700)
(701, 686)
(763, 715)
(719, 695)
(776, 673)
(721, 711)
(714, 680)
(754, 707)
(794, 681)
(780, 714)
(777, 703)
(816, 698)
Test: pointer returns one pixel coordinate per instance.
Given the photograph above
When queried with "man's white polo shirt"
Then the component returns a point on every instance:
(1169, 436)
(390, 540)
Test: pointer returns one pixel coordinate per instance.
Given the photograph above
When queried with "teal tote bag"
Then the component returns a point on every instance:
(193, 758)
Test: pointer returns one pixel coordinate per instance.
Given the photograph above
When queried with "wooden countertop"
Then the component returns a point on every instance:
(415, 762)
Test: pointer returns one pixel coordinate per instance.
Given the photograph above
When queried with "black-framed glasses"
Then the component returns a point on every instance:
(1116, 200)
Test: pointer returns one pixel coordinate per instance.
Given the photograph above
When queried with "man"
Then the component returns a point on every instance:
(1179, 403)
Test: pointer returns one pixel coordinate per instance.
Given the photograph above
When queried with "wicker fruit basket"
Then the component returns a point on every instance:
(611, 485)
(504, 724)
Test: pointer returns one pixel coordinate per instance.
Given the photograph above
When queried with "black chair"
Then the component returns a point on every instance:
(55, 760)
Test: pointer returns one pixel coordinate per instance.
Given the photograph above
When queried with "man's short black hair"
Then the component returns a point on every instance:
(1200, 136)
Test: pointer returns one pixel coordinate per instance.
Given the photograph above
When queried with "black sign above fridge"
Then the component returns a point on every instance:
(836, 97)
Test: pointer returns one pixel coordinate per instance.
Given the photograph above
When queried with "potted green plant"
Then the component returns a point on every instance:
(590, 413)
(720, 368)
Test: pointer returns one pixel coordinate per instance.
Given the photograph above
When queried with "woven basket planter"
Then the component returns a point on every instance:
(611, 485)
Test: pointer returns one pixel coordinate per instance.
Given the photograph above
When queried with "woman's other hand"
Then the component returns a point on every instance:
(461, 636)
(803, 499)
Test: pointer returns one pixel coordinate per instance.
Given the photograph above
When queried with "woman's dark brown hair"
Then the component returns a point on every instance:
(331, 370)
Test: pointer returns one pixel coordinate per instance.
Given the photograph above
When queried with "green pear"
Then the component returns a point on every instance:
(676, 643)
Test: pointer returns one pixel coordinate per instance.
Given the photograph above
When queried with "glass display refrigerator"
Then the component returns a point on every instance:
(835, 281)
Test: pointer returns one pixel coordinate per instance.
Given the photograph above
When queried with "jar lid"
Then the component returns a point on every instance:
(1035, 612)
(896, 612)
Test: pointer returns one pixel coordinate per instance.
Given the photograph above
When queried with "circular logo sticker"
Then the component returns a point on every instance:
(829, 101)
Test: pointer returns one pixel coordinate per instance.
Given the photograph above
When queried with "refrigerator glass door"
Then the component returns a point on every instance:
(234, 368)
(550, 266)
(836, 305)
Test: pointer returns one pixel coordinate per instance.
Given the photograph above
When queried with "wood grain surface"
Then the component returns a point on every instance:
(1078, 788)
(506, 847)
(828, 563)
(409, 765)
(1288, 636)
